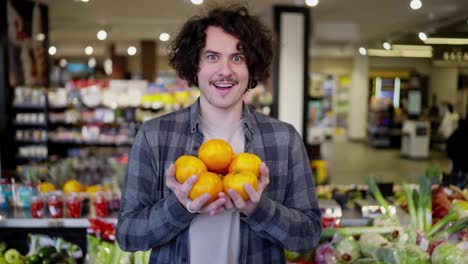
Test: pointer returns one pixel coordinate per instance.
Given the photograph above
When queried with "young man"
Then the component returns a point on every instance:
(224, 53)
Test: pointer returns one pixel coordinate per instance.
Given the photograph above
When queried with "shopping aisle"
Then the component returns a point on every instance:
(351, 162)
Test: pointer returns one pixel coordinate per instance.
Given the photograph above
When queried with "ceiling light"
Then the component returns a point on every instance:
(102, 35)
(108, 66)
(362, 51)
(40, 37)
(197, 2)
(92, 62)
(52, 50)
(312, 2)
(131, 50)
(412, 47)
(422, 36)
(89, 50)
(164, 37)
(415, 4)
(85, 1)
(400, 53)
(447, 41)
(387, 46)
(63, 63)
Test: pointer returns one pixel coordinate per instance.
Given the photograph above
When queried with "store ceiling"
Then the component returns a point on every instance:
(74, 24)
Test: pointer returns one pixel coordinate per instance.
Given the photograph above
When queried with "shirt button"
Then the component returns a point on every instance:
(183, 259)
(195, 148)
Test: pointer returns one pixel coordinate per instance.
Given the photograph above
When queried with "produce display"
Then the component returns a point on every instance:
(103, 249)
(429, 238)
(42, 249)
(218, 170)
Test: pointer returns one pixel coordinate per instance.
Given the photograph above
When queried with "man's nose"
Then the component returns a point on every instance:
(225, 68)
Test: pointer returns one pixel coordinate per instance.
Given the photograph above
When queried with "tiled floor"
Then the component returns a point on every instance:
(351, 162)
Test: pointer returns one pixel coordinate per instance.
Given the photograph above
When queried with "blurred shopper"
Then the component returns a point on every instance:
(457, 150)
(449, 121)
(225, 53)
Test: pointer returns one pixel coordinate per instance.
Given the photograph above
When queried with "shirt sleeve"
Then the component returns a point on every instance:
(295, 224)
(146, 220)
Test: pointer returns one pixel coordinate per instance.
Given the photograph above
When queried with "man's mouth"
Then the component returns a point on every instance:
(223, 85)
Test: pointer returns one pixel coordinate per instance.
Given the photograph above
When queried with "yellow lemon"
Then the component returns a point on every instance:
(46, 187)
(72, 186)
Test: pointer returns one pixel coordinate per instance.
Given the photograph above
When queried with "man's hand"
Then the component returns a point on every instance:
(235, 201)
(182, 191)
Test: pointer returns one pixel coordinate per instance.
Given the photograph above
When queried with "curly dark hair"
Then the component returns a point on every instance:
(255, 40)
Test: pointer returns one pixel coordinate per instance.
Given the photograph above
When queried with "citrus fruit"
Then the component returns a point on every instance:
(237, 180)
(246, 162)
(208, 182)
(72, 186)
(46, 187)
(186, 166)
(216, 154)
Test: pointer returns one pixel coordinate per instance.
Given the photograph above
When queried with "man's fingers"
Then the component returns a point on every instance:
(264, 175)
(187, 186)
(198, 203)
(214, 205)
(170, 179)
(253, 195)
(228, 205)
(239, 203)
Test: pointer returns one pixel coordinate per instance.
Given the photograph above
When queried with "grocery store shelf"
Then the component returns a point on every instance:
(21, 219)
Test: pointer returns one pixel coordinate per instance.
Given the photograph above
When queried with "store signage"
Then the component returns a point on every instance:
(453, 54)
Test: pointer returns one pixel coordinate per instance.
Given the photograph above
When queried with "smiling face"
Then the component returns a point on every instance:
(223, 75)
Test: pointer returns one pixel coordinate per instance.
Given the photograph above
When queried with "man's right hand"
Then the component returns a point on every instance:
(182, 191)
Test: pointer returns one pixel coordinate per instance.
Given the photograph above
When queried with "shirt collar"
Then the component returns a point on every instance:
(247, 117)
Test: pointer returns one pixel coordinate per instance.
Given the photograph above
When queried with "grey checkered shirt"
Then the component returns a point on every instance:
(151, 217)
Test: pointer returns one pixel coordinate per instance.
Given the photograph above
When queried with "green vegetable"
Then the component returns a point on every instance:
(377, 194)
(148, 256)
(424, 210)
(104, 255)
(391, 255)
(12, 255)
(45, 252)
(357, 230)
(370, 242)
(126, 258)
(386, 220)
(415, 254)
(3, 247)
(365, 261)
(292, 256)
(348, 250)
(447, 253)
(458, 210)
(138, 257)
(2, 260)
(410, 203)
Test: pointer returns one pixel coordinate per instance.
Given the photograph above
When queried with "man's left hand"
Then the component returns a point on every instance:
(249, 206)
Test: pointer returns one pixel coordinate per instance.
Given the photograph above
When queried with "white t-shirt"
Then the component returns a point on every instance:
(216, 239)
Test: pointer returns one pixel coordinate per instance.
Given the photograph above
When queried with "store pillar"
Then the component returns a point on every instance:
(148, 60)
(358, 98)
(119, 64)
(444, 83)
(291, 66)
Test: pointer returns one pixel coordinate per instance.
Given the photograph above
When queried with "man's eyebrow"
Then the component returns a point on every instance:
(210, 52)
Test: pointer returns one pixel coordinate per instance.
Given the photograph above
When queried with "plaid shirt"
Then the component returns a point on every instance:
(287, 216)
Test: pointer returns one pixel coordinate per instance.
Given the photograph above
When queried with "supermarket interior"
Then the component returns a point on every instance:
(377, 89)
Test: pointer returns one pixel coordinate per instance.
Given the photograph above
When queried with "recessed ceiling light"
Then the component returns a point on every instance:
(164, 37)
(197, 2)
(387, 46)
(312, 2)
(89, 50)
(362, 51)
(92, 62)
(85, 1)
(415, 4)
(131, 50)
(63, 63)
(40, 37)
(102, 35)
(422, 36)
(52, 50)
